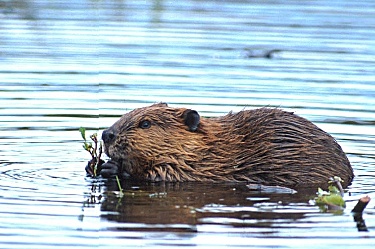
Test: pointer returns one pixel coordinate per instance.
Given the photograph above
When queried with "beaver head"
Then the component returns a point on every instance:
(268, 146)
(150, 142)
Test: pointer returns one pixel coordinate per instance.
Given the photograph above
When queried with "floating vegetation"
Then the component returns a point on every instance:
(333, 198)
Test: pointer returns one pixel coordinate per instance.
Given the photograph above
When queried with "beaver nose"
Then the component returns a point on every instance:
(108, 136)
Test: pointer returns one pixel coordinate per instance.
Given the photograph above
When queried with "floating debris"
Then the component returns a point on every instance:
(333, 198)
(271, 189)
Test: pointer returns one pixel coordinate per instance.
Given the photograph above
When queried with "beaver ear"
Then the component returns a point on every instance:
(191, 119)
(160, 104)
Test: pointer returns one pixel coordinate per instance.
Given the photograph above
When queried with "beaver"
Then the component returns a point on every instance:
(266, 146)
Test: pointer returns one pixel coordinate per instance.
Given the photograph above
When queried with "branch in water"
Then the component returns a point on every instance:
(361, 205)
(357, 213)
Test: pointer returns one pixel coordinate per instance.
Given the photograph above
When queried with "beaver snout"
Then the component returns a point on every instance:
(108, 136)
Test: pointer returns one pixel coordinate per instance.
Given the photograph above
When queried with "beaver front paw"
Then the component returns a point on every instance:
(109, 169)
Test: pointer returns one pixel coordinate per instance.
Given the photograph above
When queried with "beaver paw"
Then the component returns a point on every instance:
(109, 169)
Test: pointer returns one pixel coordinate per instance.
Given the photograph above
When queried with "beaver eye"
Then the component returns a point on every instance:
(145, 124)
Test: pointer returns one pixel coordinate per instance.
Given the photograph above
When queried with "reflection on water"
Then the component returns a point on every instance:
(202, 203)
(84, 63)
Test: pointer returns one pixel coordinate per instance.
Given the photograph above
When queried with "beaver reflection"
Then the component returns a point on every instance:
(182, 206)
(267, 146)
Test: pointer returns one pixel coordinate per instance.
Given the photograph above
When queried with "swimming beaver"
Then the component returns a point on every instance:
(266, 146)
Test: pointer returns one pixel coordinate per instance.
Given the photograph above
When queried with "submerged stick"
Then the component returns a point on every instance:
(361, 205)
(357, 213)
(271, 189)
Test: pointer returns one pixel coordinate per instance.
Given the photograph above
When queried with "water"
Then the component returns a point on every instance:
(84, 63)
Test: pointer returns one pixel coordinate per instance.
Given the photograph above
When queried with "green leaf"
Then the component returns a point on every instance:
(322, 192)
(331, 198)
(334, 190)
(94, 137)
(336, 200)
(87, 146)
(82, 130)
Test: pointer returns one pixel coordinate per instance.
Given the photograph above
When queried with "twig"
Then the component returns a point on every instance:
(357, 213)
(98, 161)
(338, 181)
(361, 205)
(95, 161)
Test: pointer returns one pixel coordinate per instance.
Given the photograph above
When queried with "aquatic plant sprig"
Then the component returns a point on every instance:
(95, 151)
(333, 199)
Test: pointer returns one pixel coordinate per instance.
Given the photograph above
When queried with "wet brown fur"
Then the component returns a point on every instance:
(267, 146)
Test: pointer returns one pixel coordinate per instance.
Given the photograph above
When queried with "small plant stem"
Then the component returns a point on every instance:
(340, 188)
(93, 150)
(338, 180)
(97, 158)
(92, 155)
(119, 184)
(100, 152)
